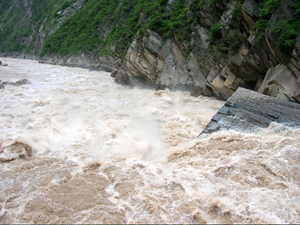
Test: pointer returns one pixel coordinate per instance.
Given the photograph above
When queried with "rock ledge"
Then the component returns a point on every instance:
(247, 110)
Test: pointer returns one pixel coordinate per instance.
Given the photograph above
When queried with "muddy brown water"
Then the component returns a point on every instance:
(77, 148)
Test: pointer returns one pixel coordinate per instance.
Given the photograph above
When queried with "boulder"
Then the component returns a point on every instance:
(248, 110)
(21, 82)
(283, 81)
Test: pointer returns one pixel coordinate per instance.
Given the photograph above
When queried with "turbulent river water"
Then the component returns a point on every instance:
(77, 148)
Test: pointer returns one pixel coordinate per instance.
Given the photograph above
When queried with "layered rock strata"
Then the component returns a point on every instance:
(189, 61)
(258, 65)
(247, 110)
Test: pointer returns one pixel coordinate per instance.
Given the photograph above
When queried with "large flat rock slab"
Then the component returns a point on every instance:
(248, 110)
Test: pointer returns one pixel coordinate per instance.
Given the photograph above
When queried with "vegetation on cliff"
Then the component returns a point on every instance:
(109, 26)
(22, 22)
(102, 24)
(208, 47)
(11, 31)
(286, 29)
(289, 29)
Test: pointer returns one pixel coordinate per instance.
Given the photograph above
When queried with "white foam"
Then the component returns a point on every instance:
(154, 168)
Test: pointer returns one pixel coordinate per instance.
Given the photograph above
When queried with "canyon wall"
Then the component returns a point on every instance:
(257, 65)
(229, 44)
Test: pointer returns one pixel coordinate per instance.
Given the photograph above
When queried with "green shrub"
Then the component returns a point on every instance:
(216, 32)
(289, 30)
(237, 14)
(200, 4)
(269, 7)
(261, 26)
(233, 41)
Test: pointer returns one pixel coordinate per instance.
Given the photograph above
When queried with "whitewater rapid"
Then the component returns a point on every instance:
(75, 147)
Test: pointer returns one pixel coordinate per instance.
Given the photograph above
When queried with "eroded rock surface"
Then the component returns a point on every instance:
(259, 64)
(189, 61)
(247, 110)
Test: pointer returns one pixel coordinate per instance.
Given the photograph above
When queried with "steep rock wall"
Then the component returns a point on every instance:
(26, 25)
(283, 81)
(150, 62)
(200, 61)
(258, 65)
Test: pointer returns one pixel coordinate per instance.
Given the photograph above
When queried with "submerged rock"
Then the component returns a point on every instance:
(14, 151)
(247, 110)
(17, 83)
(21, 82)
(3, 64)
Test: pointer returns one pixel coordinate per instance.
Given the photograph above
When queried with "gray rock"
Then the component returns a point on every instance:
(17, 83)
(2, 85)
(190, 65)
(247, 110)
(283, 81)
(154, 63)
(251, 8)
(21, 82)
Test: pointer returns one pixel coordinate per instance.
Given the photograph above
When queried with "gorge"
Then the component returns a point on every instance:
(164, 146)
(207, 47)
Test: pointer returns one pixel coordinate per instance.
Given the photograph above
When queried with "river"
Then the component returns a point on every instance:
(75, 147)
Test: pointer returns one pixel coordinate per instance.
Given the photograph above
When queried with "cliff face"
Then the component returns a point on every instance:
(25, 25)
(207, 47)
(259, 64)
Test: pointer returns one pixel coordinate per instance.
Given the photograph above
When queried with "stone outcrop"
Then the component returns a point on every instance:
(260, 64)
(247, 110)
(3, 64)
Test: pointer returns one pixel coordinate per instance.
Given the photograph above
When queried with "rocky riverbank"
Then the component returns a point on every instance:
(247, 110)
(217, 47)
(259, 64)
